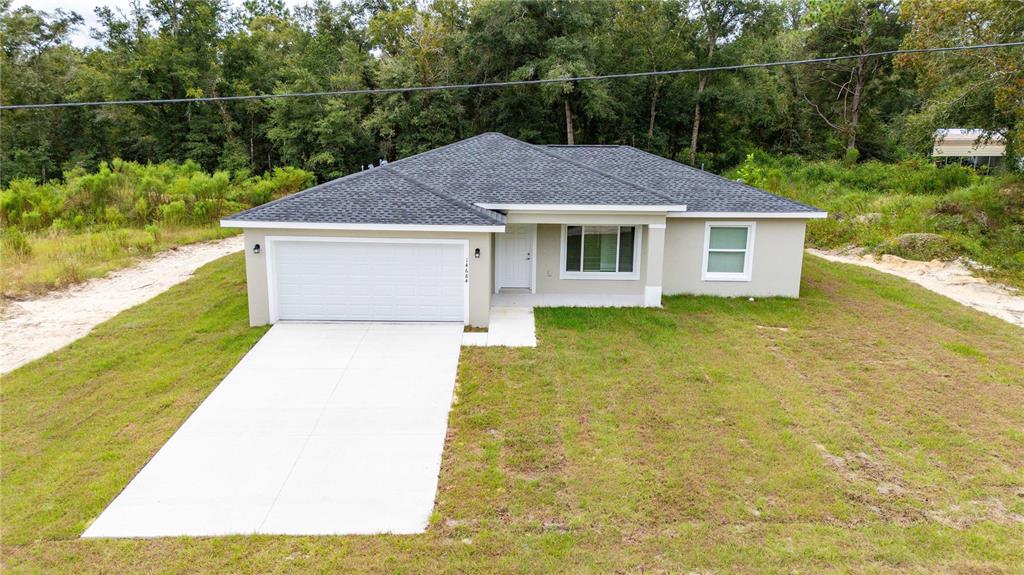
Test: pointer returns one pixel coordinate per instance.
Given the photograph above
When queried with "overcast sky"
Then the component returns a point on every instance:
(86, 9)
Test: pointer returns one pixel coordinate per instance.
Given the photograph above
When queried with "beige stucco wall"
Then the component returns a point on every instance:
(777, 260)
(549, 261)
(479, 268)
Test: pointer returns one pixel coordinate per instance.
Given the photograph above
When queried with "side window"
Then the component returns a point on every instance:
(728, 251)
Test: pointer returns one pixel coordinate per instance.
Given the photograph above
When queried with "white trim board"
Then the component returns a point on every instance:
(652, 296)
(269, 242)
(358, 227)
(534, 257)
(752, 215)
(583, 207)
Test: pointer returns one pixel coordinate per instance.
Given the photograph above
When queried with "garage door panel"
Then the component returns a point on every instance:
(369, 281)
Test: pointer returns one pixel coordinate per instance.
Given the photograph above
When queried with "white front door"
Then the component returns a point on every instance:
(515, 256)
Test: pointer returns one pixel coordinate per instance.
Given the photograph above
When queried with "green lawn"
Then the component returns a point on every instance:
(870, 426)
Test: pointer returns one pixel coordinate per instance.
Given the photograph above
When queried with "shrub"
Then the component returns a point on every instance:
(15, 243)
(851, 157)
(31, 220)
(71, 272)
(140, 211)
(113, 216)
(920, 246)
(128, 193)
(154, 231)
(174, 213)
(43, 202)
(206, 211)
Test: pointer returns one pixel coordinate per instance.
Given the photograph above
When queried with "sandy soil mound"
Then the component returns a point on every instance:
(33, 328)
(951, 279)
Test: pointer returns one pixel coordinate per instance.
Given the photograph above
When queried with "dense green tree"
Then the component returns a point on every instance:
(424, 52)
(323, 135)
(842, 92)
(37, 64)
(970, 89)
(649, 34)
(191, 48)
(540, 40)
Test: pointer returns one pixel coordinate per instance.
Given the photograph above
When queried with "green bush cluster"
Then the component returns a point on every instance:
(872, 204)
(914, 176)
(14, 244)
(128, 194)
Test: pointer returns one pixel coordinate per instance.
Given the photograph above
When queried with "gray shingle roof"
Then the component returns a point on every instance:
(496, 169)
(701, 191)
(442, 186)
(377, 196)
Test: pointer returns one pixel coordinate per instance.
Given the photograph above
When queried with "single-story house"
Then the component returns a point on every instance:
(968, 146)
(446, 234)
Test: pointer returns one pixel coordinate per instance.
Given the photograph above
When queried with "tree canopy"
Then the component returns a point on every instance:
(881, 108)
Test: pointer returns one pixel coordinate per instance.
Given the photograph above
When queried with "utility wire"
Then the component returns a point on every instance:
(509, 82)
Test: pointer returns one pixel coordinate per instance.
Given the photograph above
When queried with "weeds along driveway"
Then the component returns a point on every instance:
(321, 429)
(33, 328)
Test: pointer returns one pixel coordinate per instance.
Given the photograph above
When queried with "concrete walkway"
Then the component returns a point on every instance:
(509, 326)
(321, 429)
(512, 323)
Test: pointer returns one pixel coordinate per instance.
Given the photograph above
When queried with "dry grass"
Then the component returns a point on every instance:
(869, 427)
(56, 260)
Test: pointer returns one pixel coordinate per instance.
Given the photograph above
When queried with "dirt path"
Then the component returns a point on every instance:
(951, 279)
(33, 328)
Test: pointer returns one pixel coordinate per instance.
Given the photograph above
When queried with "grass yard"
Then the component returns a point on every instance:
(869, 427)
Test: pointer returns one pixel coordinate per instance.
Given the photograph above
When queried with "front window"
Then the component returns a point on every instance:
(727, 251)
(603, 252)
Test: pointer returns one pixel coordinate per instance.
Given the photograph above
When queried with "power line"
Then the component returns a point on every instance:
(509, 82)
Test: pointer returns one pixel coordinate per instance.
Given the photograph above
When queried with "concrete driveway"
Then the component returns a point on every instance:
(320, 429)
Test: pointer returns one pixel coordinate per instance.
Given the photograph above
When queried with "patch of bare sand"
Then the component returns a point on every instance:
(32, 328)
(954, 280)
(862, 468)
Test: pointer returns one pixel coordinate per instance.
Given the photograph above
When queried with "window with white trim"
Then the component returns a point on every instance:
(600, 252)
(728, 251)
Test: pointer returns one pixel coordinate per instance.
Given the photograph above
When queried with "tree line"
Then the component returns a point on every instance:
(884, 108)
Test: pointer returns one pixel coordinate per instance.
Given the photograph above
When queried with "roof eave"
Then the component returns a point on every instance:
(247, 224)
(608, 208)
(752, 215)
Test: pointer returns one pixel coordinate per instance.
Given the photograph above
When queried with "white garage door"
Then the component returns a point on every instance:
(379, 280)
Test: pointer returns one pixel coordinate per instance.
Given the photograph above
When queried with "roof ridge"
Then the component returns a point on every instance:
(353, 175)
(492, 215)
(439, 148)
(540, 148)
(714, 175)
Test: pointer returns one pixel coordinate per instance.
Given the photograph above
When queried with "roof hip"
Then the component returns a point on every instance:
(541, 149)
(723, 178)
(489, 214)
